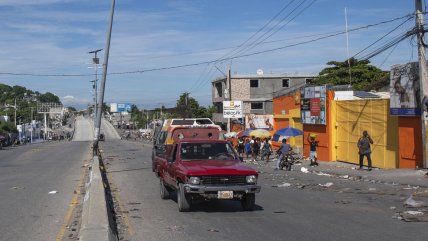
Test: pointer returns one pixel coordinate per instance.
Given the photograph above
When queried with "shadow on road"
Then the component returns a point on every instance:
(130, 170)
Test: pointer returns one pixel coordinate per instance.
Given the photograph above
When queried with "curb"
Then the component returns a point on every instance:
(95, 222)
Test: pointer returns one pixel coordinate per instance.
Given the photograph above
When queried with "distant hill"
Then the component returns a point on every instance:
(26, 102)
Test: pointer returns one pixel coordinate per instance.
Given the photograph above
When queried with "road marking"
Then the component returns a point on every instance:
(71, 207)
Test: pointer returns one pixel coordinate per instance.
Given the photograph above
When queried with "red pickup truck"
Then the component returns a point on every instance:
(205, 169)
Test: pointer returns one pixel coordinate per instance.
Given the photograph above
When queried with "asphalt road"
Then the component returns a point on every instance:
(304, 210)
(27, 176)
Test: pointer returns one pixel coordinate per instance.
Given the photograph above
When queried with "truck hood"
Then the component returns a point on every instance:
(217, 167)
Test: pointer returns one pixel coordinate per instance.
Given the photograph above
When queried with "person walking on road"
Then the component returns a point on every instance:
(255, 148)
(241, 147)
(266, 150)
(313, 150)
(364, 149)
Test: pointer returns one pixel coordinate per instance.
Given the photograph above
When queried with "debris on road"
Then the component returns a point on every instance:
(53, 192)
(343, 202)
(414, 216)
(328, 184)
(410, 202)
(17, 188)
(285, 184)
(323, 174)
(372, 189)
(213, 230)
(304, 170)
(344, 176)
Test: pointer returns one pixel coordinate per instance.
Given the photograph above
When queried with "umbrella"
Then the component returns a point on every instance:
(230, 134)
(243, 134)
(261, 133)
(286, 132)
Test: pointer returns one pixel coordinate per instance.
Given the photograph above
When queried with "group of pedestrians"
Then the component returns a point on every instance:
(255, 147)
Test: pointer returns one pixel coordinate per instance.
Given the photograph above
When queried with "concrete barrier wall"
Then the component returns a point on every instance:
(95, 224)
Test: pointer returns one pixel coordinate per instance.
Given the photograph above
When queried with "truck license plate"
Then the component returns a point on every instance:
(225, 194)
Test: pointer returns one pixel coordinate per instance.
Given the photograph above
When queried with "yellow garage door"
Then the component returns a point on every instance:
(352, 117)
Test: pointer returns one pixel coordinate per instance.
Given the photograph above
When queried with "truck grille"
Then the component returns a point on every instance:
(223, 180)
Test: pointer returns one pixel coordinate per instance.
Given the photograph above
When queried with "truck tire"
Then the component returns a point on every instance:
(183, 199)
(164, 193)
(248, 201)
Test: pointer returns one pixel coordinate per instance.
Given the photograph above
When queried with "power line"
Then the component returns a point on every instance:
(270, 29)
(385, 35)
(217, 60)
(200, 80)
(255, 43)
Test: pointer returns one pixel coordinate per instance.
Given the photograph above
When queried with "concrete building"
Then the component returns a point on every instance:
(255, 91)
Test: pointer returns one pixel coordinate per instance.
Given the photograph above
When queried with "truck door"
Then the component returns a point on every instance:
(171, 166)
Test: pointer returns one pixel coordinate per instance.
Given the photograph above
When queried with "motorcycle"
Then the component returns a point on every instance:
(286, 161)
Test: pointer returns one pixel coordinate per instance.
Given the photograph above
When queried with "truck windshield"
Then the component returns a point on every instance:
(206, 151)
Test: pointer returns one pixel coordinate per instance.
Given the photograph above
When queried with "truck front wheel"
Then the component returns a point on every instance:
(248, 201)
(164, 193)
(183, 199)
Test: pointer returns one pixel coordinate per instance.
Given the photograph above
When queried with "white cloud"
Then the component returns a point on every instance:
(70, 100)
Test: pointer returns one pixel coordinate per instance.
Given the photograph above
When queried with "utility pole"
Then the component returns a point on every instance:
(422, 77)
(31, 123)
(103, 81)
(147, 119)
(15, 111)
(229, 87)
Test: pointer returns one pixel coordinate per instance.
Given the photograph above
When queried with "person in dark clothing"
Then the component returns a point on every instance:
(240, 147)
(313, 150)
(364, 149)
(283, 150)
(247, 147)
(256, 148)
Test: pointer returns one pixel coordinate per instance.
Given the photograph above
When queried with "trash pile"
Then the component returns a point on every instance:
(418, 211)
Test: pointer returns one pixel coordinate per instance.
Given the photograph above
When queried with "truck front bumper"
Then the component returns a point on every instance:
(201, 189)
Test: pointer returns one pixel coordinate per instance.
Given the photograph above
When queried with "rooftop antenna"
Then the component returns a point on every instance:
(347, 49)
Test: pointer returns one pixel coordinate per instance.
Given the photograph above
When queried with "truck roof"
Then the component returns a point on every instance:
(202, 141)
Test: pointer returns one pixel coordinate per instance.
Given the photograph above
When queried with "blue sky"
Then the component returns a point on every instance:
(53, 37)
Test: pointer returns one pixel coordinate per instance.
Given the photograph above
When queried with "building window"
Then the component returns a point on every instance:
(309, 81)
(257, 105)
(285, 83)
(254, 83)
(218, 89)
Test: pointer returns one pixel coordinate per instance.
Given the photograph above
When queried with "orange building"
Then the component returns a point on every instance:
(286, 111)
(409, 142)
(397, 139)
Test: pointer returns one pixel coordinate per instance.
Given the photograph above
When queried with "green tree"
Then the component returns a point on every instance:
(192, 108)
(364, 76)
(48, 97)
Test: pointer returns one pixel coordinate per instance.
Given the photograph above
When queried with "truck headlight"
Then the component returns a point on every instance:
(195, 180)
(251, 179)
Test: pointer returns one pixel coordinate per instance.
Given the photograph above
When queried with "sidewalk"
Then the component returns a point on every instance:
(403, 176)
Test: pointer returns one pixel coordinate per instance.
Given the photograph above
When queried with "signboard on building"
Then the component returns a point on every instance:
(253, 121)
(118, 108)
(405, 90)
(232, 109)
(313, 105)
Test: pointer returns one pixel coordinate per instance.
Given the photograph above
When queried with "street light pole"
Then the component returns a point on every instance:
(96, 62)
(103, 81)
(15, 111)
